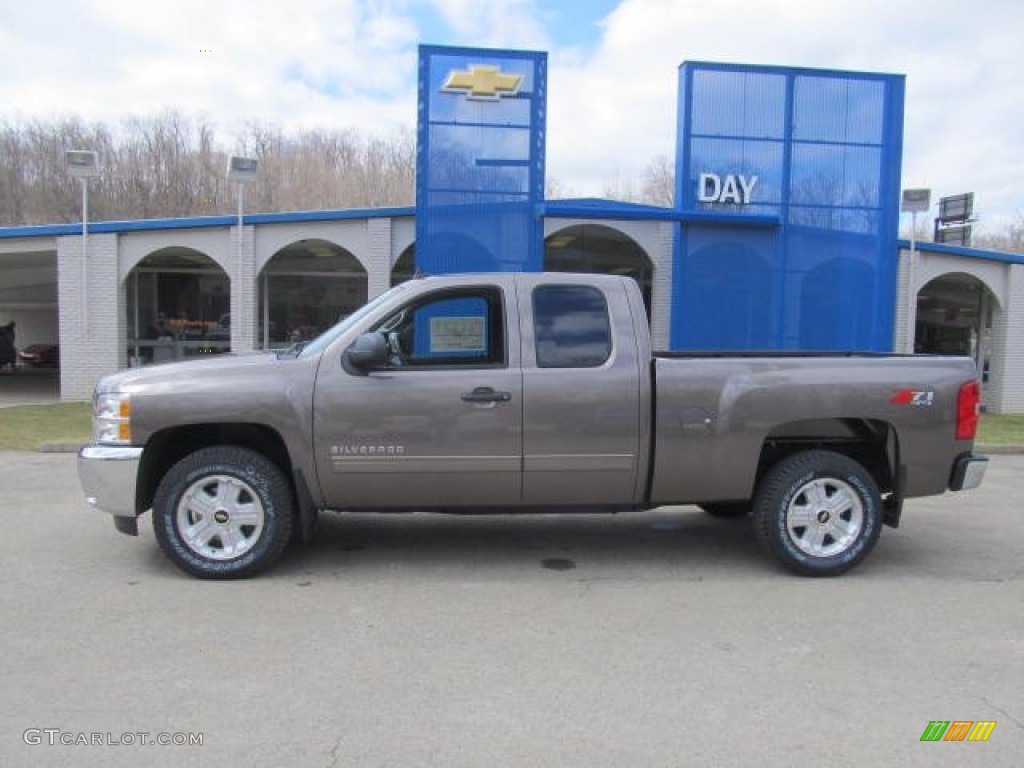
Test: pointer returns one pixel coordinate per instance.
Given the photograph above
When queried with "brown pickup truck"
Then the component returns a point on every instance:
(518, 393)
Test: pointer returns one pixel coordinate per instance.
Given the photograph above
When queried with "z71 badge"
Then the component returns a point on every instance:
(913, 397)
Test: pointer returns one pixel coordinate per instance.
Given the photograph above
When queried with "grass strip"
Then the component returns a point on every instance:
(28, 427)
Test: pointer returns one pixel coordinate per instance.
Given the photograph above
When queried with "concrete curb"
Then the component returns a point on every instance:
(1006, 450)
(60, 447)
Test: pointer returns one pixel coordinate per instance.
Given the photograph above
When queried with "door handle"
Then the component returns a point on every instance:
(486, 395)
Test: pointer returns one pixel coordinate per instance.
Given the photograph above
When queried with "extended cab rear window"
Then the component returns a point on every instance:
(571, 327)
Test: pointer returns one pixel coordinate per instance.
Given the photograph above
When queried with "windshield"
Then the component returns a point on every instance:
(321, 342)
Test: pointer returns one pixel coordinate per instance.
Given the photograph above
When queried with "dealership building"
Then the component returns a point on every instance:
(783, 236)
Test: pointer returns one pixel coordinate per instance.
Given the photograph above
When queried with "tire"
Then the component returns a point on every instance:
(818, 512)
(731, 510)
(223, 512)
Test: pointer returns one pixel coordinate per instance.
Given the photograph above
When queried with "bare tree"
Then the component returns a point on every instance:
(659, 182)
(170, 165)
(554, 189)
(620, 189)
(922, 233)
(1010, 240)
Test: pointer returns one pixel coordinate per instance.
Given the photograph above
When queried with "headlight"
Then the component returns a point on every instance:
(112, 419)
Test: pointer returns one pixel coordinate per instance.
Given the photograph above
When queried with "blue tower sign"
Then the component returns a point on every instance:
(480, 160)
(817, 152)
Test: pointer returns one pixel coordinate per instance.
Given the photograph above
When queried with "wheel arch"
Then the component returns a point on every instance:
(872, 443)
(168, 446)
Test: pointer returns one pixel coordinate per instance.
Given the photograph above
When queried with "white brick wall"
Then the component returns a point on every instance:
(661, 285)
(994, 390)
(378, 260)
(243, 289)
(90, 313)
(903, 337)
(1007, 374)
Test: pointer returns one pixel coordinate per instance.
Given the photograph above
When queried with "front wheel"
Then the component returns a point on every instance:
(223, 512)
(819, 512)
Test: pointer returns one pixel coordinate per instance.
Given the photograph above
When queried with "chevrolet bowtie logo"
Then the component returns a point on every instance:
(482, 82)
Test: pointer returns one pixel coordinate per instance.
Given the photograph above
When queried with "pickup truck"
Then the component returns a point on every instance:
(516, 393)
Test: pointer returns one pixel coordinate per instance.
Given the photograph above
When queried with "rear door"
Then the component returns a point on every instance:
(582, 391)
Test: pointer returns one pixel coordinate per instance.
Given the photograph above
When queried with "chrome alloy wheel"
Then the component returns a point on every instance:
(220, 517)
(825, 517)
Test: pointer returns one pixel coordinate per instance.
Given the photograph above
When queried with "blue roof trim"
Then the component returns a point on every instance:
(580, 208)
(197, 222)
(595, 208)
(735, 219)
(43, 230)
(960, 250)
(349, 213)
(604, 204)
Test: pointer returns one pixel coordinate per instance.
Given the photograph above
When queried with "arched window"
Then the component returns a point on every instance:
(405, 267)
(178, 303)
(599, 249)
(305, 288)
(954, 317)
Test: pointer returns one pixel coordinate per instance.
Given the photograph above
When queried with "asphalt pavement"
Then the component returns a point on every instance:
(29, 386)
(653, 639)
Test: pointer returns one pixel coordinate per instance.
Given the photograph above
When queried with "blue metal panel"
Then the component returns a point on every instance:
(825, 147)
(838, 108)
(480, 160)
(723, 292)
(465, 310)
(739, 103)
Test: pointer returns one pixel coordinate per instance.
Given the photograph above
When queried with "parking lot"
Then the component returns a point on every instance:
(29, 386)
(654, 639)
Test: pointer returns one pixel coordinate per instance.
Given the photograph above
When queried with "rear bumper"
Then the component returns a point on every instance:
(968, 472)
(108, 477)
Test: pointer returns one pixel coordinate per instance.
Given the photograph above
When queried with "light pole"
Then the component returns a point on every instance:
(84, 165)
(242, 171)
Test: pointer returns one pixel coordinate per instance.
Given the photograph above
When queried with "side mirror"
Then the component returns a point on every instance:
(369, 351)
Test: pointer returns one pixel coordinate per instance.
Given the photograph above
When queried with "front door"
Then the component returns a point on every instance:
(442, 423)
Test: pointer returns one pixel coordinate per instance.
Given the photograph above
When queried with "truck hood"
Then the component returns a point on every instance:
(190, 375)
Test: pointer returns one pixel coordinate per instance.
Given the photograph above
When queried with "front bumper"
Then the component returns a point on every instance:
(968, 472)
(108, 476)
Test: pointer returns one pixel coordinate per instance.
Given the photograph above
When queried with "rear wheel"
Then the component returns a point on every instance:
(819, 512)
(223, 512)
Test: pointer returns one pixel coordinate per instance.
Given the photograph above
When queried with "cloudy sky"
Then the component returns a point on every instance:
(612, 69)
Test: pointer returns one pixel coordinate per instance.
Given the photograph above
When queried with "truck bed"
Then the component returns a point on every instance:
(718, 412)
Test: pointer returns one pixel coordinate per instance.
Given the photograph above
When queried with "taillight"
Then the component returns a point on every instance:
(968, 406)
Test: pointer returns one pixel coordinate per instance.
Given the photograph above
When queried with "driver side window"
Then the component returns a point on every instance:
(461, 327)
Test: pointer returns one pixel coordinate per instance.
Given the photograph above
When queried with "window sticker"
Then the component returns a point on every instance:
(458, 334)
